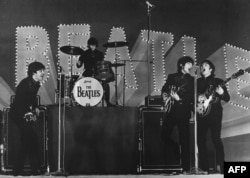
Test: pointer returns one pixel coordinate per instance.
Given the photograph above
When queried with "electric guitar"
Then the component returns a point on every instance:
(205, 100)
(168, 100)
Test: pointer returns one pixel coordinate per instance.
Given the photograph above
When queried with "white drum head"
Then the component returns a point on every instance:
(88, 91)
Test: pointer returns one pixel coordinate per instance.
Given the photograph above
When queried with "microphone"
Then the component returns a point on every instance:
(196, 68)
(149, 4)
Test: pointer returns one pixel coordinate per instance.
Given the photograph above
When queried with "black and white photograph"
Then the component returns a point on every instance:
(125, 88)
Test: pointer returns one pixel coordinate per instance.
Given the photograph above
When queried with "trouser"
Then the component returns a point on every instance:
(106, 89)
(179, 116)
(28, 147)
(213, 122)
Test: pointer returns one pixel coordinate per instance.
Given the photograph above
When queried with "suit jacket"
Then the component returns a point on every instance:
(184, 84)
(25, 97)
(90, 58)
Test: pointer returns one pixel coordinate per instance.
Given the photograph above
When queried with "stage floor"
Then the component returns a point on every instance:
(128, 176)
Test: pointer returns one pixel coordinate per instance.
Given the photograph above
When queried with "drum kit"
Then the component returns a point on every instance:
(88, 91)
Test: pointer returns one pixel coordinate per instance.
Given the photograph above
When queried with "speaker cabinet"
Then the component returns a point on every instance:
(96, 140)
(10, 138)
(154, 153)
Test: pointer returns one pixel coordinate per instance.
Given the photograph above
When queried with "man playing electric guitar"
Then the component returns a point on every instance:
(178, 96)
(210, 92)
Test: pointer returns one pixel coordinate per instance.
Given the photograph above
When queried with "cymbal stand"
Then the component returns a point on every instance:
(124, 83)
(116, 93)
(71, 81)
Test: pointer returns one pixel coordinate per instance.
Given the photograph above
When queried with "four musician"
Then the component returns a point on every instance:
(178, 96)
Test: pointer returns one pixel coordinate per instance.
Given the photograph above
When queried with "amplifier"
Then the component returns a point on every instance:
(155, 154)
(153, 101)
(11, 138)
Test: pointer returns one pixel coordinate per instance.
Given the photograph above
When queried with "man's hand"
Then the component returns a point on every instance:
(175, 96)
(165, 96)
(37, 110)
(79, 64)
(219, 90)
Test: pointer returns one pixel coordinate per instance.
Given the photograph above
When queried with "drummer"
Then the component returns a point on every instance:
(89, 58)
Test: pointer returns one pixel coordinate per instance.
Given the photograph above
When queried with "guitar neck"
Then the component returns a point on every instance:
(211, 91)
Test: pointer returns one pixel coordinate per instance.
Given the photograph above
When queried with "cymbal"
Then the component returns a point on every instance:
(72, 50)
(117, 65)
(115, 44)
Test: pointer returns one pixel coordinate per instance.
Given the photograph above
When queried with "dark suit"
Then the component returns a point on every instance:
(211, 121)
(90, 58)
(25, 98)
(179, 114)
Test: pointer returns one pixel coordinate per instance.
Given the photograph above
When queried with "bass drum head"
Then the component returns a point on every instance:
(88, 91)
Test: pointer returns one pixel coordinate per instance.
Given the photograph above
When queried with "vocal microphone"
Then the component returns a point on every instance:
(149, 4)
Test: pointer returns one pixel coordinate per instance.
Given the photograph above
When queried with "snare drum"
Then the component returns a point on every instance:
(88, 91)
(104, 71)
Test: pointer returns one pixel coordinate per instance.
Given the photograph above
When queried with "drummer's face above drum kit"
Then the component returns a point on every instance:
(92, 47)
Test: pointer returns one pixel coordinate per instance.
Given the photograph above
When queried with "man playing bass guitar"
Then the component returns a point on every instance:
(178, 96)
(210, 92)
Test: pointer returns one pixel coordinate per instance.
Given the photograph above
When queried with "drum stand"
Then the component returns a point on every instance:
(70, 87)
(116, 44)
(124, 83)
(116, 93)
(104, 92)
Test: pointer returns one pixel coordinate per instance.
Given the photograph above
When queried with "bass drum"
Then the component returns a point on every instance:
(88, 91)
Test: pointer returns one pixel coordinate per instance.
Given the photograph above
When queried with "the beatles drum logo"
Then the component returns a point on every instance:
(88, 91)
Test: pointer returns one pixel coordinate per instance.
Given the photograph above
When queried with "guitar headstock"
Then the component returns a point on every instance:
(247, 70)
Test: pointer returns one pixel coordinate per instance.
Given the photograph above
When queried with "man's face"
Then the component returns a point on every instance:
(206, 70)
(92, 47)
(187, 67)
(38, 76)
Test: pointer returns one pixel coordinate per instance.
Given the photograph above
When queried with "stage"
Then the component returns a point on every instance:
(115, 141)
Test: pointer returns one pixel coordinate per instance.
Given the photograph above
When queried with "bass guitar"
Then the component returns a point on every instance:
(205, 100)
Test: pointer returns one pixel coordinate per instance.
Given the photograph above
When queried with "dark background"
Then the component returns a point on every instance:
(212, 22)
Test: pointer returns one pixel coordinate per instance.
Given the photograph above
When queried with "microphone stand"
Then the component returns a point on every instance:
(60, 169)
(148, 51)
(196, 169)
